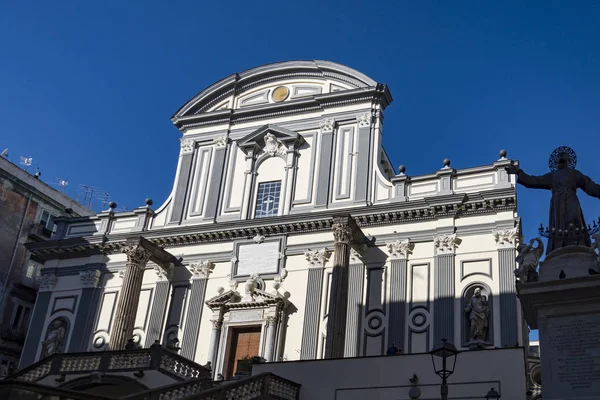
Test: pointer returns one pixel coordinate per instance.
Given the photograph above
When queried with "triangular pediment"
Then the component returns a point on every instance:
(233, 300)
(257, 137)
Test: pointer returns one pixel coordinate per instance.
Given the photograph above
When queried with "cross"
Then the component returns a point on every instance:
(268, 202)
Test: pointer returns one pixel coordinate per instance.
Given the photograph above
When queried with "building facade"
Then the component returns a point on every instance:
(28, 207)
(287, 223)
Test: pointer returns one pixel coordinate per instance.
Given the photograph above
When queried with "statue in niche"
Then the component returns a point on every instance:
(565, 211)
(55, 338)
(478, 311)
(528, 259)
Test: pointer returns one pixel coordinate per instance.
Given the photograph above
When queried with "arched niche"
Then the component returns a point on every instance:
(56, 336)
(467, 295)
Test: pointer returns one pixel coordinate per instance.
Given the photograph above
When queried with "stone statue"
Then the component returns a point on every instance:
(478, 311)
(250, 286)
(55, 338)
(528, 259)
(563, 180)
(173, 345)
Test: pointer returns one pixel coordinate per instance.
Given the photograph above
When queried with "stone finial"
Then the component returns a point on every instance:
(187, 146)
(400, 248)
(201, 269)
(317, 258)
(90, 278)
(149, 202)
(112, 205)
(506, 238)
(446, 244)
(502, 154)
(401, 170)
(446, 163)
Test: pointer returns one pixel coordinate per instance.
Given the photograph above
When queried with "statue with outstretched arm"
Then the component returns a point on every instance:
(563, 181)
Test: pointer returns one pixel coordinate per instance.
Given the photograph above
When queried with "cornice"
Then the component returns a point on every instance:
(456, 206)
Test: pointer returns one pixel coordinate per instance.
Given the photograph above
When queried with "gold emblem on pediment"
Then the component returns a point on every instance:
(280, 94)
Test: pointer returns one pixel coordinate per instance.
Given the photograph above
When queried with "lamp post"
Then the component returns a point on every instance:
(444, 361)
(492, 395)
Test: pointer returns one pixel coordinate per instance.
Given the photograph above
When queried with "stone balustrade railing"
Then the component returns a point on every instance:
(159, 359)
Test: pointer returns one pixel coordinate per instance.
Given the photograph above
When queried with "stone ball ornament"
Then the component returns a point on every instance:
(554, 157)
(112, 205)
(149, 202)
(446, 163)
(502, 153)
(401, 169)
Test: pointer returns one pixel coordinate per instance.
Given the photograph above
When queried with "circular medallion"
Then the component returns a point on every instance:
(99, 342)
(553, 160)
(419, 319)
(280, 94)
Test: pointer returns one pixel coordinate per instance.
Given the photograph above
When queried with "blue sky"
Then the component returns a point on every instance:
(87, 88)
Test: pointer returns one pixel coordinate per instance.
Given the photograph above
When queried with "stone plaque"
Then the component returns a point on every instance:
(572, 350)
(262, 258)
(245, 315)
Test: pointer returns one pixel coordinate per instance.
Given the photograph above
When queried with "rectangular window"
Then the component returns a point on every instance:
(47, 223)
(267, 199)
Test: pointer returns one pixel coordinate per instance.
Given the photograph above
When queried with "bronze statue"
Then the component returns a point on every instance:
(565, 212)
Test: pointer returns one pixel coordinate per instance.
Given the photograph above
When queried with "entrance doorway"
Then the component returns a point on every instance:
(244, 342)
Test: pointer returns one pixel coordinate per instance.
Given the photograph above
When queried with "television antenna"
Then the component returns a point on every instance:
(87, 192)
(104, 197)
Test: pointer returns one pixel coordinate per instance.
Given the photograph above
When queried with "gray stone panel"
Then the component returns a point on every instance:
(323, 178)
(363, 165)
(157, 314)
(214, 185)
(34, 334)
(84, 319)
(355, 309)
(508, 297)
(194, 315)
(181, 189)
(443, 325)
(344, 153)
(397, 306)
(312, 312)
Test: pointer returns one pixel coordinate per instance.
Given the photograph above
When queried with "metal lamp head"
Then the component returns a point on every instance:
(444, 359)
(492, 395)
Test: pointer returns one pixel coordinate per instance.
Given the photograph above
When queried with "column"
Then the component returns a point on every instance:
(183, 176)
(215, 335)
(312, 309)
(398, 251)
(157, 313)
(505, 242)
(271, 327)
(129, 296)
(200, 272)
(346, 234)
(86, 310)
(324, 174)
(443, 299)
(356, 279)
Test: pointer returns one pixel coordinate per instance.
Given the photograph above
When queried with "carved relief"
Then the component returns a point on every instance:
(202, 269)
(187, 146)
(317, 258)
(270, 321)
(342, 233)
(47, 281)
(400, 248)
(326, 125)
(136, 255)
(90, 278)
(220, 141)
(273, 146)
(446, 244)
(258, 239)
(364, 120)
(506, 237)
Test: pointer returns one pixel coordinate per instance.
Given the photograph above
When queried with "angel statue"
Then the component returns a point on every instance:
(528, 259)
(563, 180)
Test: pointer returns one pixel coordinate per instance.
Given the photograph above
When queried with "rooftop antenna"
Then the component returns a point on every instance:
(88, 194)
(26, 161)
(4, 153)
(104, 197)
(62, 184)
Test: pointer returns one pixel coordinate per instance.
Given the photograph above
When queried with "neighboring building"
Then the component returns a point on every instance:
(28, 207)
(281, 177)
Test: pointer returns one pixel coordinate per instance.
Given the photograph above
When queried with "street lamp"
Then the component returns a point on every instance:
(492, 395)
(444, 361)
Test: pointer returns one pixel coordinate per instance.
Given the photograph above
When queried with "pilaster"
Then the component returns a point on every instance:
(34, 334)
(129, 295)
(324, 174)
(361, 187)
(216, 176)
(312, 309)
(157, 313)
(185, 169)
(398, 252)
(86, 311)
(356, 279)
(200, 273)
(506, 240)
(443, 327)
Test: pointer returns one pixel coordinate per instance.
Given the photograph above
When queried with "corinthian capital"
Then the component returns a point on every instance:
(202, 269)
(446, 244)
(364, 120)
(90, 278)
(400, 248)
(317, 258)
(136, 254)
(326, 125)
(187, 146)
(506, 238)
(342, 233)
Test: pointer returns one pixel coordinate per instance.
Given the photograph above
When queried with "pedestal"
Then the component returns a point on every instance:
(567, 314)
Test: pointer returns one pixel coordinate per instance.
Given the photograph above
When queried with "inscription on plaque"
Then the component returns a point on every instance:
(259, 259)
(574, 352)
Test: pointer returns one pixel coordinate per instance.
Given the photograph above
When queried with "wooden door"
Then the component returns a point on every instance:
(244, 342)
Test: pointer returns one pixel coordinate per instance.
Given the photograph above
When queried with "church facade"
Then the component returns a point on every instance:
(282, 180)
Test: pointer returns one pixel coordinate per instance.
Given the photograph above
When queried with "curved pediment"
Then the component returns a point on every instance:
(274, 84)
